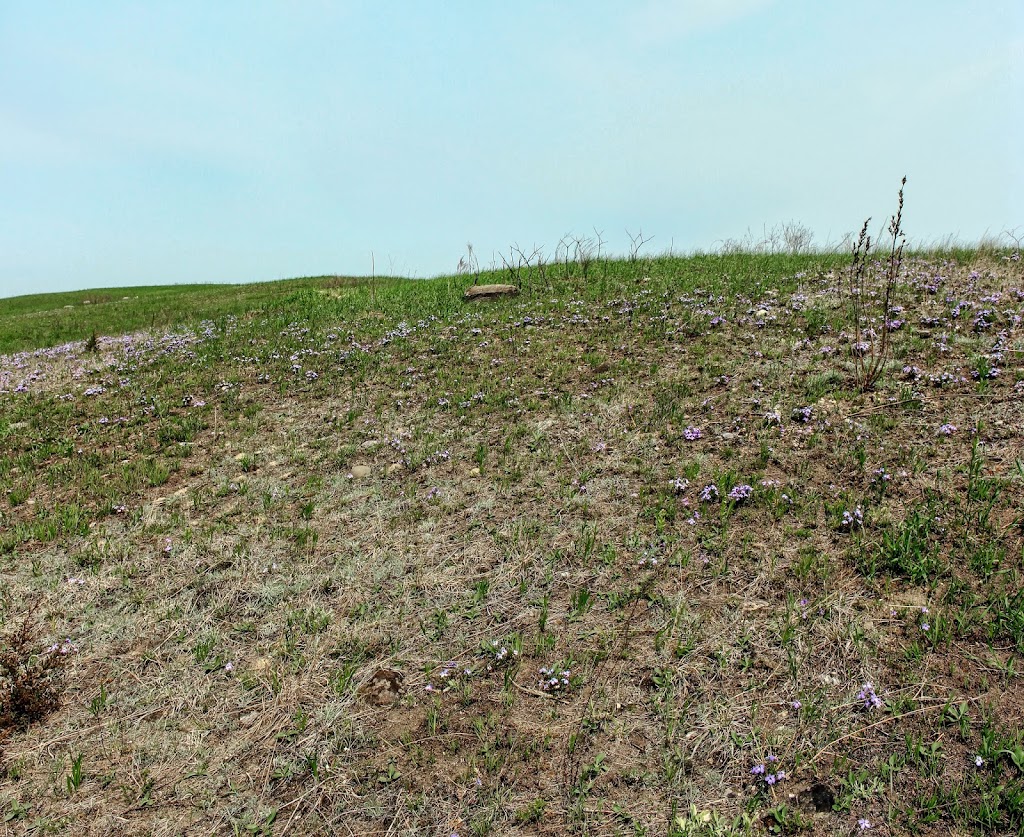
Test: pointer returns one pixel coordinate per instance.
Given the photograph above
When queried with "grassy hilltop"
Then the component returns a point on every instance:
(667, 546)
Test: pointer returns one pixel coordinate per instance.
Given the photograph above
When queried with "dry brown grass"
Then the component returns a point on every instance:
(237, 662)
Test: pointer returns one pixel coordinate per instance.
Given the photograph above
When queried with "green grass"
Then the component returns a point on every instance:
(37, 320)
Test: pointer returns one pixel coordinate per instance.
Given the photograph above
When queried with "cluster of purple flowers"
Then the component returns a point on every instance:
(945, 379)
(691, 433)
(765, 772)
(947, 429)
(398, 446)
(437, 457)
(501, 656)
(709, 493)
(854, 519)
(447, 671)
(63, 648)
(983, 320)
(740, 493)
(476, 398)
(679, 485)
(963, 305)
(552, 680)
(867, 696)
(803, 414)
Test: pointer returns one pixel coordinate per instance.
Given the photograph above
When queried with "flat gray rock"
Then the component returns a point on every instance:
(490, 291)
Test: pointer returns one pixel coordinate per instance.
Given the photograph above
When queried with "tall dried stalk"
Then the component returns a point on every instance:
(872, 347)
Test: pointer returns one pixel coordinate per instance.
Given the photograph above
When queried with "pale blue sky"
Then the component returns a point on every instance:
(151, 142)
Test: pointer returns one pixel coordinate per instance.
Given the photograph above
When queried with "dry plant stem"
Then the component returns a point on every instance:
(870, 358)
(875, 725)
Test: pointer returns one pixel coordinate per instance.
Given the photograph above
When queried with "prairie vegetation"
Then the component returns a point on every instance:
(642, 550)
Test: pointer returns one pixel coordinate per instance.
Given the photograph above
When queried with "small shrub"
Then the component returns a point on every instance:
(29, 678)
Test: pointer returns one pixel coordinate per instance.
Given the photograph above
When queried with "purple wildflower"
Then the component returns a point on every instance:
(709, 493)
(867, 696)
(740, 493)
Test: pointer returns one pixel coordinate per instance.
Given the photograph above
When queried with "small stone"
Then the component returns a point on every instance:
(383, 689)
(474, 472)
(394, 468)
(490, 291)
(361, 471)
(729, 437)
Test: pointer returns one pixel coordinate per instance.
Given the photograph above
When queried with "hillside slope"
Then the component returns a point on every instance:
(632, 552)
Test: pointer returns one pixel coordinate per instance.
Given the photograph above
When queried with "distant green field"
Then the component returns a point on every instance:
(36, 320)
